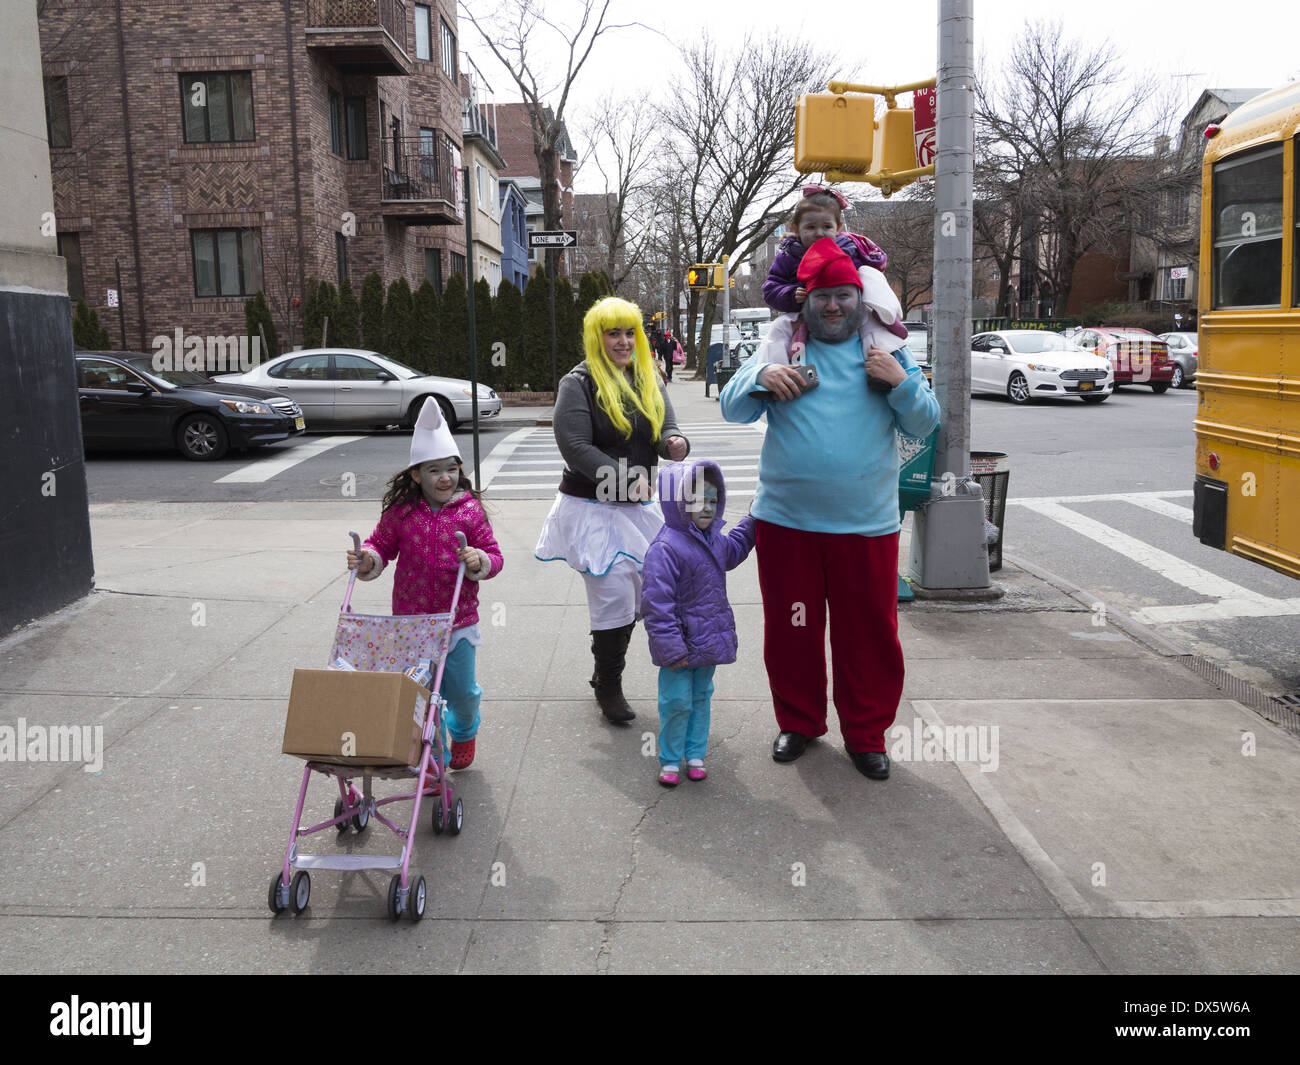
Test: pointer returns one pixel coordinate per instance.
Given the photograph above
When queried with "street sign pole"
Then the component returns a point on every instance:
(726, 310)
(121, 303)
(550, 273)
(948, 554)
(473, 339)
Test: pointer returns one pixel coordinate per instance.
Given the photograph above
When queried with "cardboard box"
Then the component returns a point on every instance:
(355, 718)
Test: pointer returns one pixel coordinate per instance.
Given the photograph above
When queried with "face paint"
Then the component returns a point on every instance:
(703, 508)
(437, 479)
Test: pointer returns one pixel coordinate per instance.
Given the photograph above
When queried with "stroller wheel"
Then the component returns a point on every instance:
(457, 818)
(300, 891)
(273, 899)
(394, 886)
(439, 817)
(415, 901)
(342, 826)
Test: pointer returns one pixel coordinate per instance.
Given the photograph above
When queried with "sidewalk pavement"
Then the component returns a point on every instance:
(1134, 819)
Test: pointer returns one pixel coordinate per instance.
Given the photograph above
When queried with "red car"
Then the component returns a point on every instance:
(1137, 356)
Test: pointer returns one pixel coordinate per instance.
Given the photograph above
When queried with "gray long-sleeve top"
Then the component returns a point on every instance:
(599, 462)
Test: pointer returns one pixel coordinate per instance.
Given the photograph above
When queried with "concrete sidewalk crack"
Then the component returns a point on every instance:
(607, 923)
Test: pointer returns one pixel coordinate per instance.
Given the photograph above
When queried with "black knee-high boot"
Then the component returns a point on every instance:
(609, 648)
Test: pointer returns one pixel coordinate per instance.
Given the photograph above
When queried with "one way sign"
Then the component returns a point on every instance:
(553, 238)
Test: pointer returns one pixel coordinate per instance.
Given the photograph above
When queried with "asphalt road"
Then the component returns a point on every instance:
(1100, 495)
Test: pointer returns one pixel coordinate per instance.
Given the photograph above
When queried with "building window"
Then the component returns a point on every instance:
(227, 262)
(70, 249)
(433, 267)
(1177, 288)
(354, 113)
(336, 122)
(217, 107)
(480, 180)
(341, 255)
(457, 264)
(448, 51)
(58, 128)
(422, 34)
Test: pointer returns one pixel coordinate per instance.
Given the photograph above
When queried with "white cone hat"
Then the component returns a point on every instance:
(432, 437)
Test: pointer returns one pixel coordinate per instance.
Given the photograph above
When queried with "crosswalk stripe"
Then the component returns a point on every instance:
(263, 469)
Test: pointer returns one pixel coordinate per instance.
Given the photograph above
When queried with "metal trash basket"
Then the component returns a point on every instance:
(993, 472)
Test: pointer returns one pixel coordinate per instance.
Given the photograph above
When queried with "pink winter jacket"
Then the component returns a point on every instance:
(424, 543)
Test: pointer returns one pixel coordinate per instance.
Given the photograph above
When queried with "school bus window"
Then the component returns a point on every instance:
(1247, 208)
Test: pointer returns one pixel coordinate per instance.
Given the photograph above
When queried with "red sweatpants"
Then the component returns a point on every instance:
(801, 574)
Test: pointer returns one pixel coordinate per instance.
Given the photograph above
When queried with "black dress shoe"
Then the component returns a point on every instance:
(788, 746)
(873, 764)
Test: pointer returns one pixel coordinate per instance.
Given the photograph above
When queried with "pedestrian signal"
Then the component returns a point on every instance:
(699, 276)
(834, 132)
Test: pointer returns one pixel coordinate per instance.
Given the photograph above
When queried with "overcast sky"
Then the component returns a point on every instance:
(1215, 44)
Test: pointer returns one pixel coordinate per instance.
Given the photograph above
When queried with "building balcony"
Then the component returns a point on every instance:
(360, 36)
(418, 184)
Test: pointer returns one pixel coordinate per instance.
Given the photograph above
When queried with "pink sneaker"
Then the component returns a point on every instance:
(696, 772)
(668, 777)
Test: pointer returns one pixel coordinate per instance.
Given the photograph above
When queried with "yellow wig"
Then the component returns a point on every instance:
(613, 392)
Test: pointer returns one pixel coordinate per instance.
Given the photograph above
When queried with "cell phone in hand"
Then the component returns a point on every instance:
(810, 381)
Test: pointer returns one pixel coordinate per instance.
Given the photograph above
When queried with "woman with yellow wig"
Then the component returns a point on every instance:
(613, 422)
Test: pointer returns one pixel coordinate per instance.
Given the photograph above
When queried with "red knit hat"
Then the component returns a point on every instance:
(825, 265)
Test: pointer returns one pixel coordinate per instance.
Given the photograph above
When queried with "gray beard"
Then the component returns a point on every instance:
(848, 325)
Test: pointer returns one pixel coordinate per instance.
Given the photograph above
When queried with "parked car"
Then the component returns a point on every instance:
(1137, 356)
(918, 343)
(126, 403)
(1184, 349)
(350, 387)
(1028, 364)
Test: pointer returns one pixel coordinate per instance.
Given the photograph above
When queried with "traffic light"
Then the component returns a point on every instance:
(834, 132)
(700, 276)
(719, 272)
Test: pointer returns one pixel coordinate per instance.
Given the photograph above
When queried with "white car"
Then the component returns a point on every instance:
(1028, 364)
(350, 387)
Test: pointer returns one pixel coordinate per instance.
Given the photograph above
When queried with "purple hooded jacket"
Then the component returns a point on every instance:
(684, 579)
(783, 274)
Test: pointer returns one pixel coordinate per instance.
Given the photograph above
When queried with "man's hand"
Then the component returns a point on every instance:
(883, 365)
(676, 448)
(784, 382)
(800, 294)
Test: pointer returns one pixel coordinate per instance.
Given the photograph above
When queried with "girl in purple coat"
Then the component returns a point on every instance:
(684, 604)
(820, 214)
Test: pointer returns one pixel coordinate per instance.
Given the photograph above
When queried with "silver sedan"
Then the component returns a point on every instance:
(350, 387)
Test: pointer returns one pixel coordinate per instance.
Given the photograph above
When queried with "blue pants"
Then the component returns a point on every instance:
(684, 713)
(461, 691)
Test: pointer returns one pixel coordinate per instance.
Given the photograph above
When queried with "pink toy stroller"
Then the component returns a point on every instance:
(381, 643)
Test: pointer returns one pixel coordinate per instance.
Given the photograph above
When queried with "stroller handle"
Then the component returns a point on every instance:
(352, 575)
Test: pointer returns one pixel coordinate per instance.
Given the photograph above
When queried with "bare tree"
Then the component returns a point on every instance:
(727, 149)
(904, 228)
(1061, 142)
(511, 33)
(621, 139)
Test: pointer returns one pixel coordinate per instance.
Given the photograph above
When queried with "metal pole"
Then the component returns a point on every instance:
(121, 303)
(726, 310)
(473, 339)
(948, 551)
(550, 273)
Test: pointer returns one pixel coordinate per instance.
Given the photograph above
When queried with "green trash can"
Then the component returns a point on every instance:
(915, 469)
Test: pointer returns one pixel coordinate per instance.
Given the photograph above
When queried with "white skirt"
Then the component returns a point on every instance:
(591, 535)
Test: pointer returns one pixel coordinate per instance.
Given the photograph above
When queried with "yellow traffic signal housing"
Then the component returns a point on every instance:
(719, 272)
(834, 132)
(700, 276)
(895, 147)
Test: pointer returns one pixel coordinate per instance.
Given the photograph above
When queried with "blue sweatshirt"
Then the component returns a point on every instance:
(830, 457)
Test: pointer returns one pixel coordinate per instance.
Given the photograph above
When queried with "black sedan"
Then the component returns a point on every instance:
(126, 402)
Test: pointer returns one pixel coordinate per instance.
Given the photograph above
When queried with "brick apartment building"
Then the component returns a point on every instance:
(214, 149)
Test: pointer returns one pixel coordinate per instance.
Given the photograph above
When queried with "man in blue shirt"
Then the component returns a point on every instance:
(827, 514)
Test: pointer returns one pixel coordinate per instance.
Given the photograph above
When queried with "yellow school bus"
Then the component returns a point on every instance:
(1247, 490)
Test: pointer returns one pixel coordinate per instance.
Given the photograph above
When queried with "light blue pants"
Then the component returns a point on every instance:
(684, 713)
(461, 691)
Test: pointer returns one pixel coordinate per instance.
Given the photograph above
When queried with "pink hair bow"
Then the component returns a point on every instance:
(810, 190)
